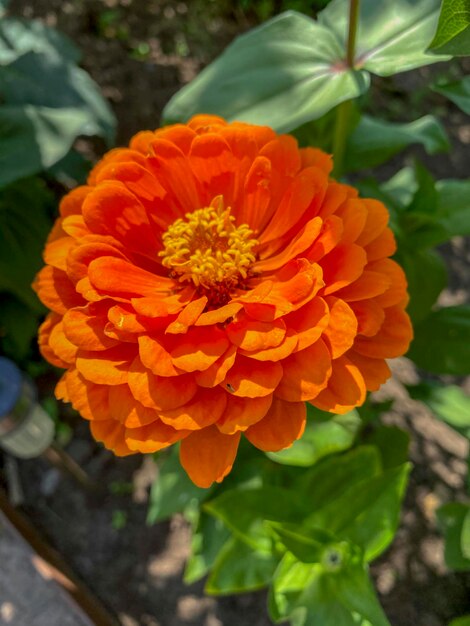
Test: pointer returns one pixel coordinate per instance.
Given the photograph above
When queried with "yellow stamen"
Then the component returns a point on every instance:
(208, 249)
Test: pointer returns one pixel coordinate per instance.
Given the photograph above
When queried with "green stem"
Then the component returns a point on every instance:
(343, 111)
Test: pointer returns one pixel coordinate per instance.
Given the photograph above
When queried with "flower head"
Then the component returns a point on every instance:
(206, 282)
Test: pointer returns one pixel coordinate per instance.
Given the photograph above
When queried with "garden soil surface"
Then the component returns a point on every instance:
(140, 53)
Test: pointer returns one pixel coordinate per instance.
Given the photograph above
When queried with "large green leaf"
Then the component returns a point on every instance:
(392, 37)
(453, 206)
(457, 91)
(461, 621)
(283, 73)
(209, 536)
(367, 513)
(453, 30)
(20, 36)
(427, 276)
(454, 519)
(374, 141)
(393, 443)
(449, 403)
(315, 595)
(442, 341)
(24, 225)
(172, 492)
(245, 511)
(34, 138)
(239, 568)
(320, 440)
(306, 544)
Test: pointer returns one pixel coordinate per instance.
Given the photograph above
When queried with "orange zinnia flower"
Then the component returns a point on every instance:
(206, 282)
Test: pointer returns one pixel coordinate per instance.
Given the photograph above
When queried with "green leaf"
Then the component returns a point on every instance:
(20, 36)
(244, 511)
(442, 341)
(34, 138)
(18, 326)
(35, 78)
(208, 538)
(426, 273)
(328, 480)
(453, 30)
(239, 568)
(453, 206)
(306, 544)
(375, 141)
(311, 595)
(173, 491)
(367, 513)
(24, 226)
(392, 37)
(289, 59)
(320, 440)
(393, 443)
(461, 621)
(449, 403)
(454, 519)
(457, 91)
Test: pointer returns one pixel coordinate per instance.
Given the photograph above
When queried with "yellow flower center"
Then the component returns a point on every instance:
(208, 249)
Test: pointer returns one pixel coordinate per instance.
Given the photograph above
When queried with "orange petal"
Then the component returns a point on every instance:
(342, 327)
(44, 333)
(112, 435)
(207, 455)
(72, 203)
(317, 158)
(111, 275)
(160, 392)
(89, 399)
(368, 285)
(61, 346)
(397, 292)
(55, 290)
(346, 388)
(111, 209)
(199, 348)
(377, 220)
(369, 315)
(249, 378)
(216, 373)
(393, 338)
(251, 335)
(353, 213)
(278, 353)
(384, 246)
(306, 373)
(257, 195)
(329, 237)
(220, 315)
(214, 165)
(283, 424)
(81, 256)
(153, 437)
(204, 409)
(342, 266)
(55, 252)
(283, 153)
(84, 327)
(240, 413)
(156, 357)
(108, 367)
(188, 316)
(374, 371)
(308, 322)
(124, 408)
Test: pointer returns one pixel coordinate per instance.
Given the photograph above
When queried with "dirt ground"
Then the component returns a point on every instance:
(140, 52)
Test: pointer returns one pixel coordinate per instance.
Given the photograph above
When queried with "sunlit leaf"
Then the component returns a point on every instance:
(453, 30)
(392, 37)
(319, 440)
(448, 402)
(289, 59)
(208, 538)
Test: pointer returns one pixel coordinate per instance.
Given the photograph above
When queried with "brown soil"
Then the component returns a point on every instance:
(136, 570)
